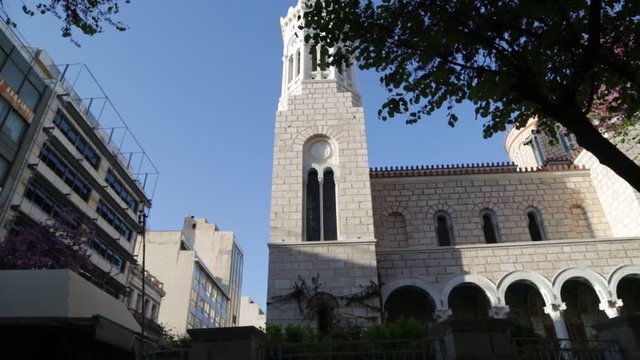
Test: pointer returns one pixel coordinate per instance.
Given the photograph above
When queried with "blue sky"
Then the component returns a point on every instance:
(198, 84)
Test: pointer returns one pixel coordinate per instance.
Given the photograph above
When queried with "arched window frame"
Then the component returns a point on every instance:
(322, 167)
(538, 152)
(493, 219)
(449, 227)
(537, 215)
(566, 139)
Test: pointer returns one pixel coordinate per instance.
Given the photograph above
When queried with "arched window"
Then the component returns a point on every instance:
(537, 150)
(444, 228)
(330, 229)
(290, 69)
(534, 223)
(314, 58)
(298, 63)
(313, 206)
(489, 226)
(565, 138)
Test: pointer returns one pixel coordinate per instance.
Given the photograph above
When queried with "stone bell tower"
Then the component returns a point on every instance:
(322, 240)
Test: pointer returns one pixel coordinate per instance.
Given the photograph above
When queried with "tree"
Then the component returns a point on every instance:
(60, 243)
(576, 63)
(87, 16)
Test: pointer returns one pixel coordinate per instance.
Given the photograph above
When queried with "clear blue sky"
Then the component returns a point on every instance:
(198, 84)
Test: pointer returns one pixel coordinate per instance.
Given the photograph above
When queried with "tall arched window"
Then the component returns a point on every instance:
(314, 58)
(534, 223)
(444, 228)
(489, 226)
(298, 65)
(313, 206)
(537, 150)
(290, 69)
(329, 228)
(565, 138)
(321, 217)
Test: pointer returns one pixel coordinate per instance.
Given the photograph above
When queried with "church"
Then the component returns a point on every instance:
(550, 241)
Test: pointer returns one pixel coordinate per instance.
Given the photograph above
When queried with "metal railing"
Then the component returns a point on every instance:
(547, 349)
(423, 349)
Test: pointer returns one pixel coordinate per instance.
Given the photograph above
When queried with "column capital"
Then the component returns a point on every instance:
(442, 314)
(611, 307)
(499, 312)
(554, 310)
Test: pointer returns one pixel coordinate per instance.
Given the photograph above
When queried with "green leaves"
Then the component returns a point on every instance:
(512, 60)
(88, 16)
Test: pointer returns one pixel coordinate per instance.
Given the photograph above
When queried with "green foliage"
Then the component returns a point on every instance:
(512, 59)
(402, 329)
(88, 16)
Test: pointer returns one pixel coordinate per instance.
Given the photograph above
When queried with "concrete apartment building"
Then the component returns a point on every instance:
(201, 268)
(63, 150)
(550, 241)
(251, 314)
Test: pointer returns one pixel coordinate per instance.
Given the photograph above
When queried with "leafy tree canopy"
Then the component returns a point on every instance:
(88, 16)
(572, 62)
(60, 243)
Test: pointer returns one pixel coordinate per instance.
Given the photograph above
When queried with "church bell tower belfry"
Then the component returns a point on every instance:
(321, 245)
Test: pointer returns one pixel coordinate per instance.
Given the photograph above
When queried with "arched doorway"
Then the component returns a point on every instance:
(322, 308)
(628, 291)
(526, 311)
(468, 301)
(409, 302)
(583, 309)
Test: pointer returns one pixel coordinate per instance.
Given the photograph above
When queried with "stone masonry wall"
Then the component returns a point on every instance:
(437, 266)
(323, 108)
(344, 268)
(621, 203)
(554, 193)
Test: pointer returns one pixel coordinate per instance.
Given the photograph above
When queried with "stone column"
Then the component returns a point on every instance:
(441, 315)
(499, 312)
(611, 307)
(555, 313)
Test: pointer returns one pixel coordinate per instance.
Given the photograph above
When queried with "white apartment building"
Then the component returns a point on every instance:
(201, 268)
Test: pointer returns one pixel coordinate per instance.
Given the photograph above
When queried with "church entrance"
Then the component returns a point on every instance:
(409, 302)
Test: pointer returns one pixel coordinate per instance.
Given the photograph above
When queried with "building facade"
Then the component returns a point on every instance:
(251, 314)
(201, 268)
(550, 240)
(59, 153)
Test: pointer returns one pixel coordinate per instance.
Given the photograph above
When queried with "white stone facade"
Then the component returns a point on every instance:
(545, 238)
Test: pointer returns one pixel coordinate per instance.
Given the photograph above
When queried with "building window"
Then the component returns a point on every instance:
(298, 65)
(117, 223)
(321, 206)
(313, 206)
(79, 142)
(566, 139)
(60, 168)
(43, 201)
(534, 222)
(537, 150)
(444, 228)
(122, 192)
(107, 253)
(489, 226)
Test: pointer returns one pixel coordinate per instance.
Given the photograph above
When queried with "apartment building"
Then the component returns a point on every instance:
(64, 149)
(201, 268)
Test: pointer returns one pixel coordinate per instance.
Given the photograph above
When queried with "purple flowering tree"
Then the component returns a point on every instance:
(63, 242)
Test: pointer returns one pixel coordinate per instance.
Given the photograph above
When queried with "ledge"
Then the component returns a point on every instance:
(321, 243)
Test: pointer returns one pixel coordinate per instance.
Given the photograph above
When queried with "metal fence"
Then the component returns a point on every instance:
(424, 349)
(168, 354)
(545, 349)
